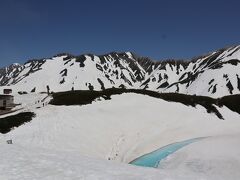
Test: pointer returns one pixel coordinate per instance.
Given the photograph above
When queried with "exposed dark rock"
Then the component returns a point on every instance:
(62, 81)
(238, 82)
(81, 60)
(163, 85)
(230, 87)
(210, 82)
(33, 90)
(214, 89)
(101, 83)
(64, 72)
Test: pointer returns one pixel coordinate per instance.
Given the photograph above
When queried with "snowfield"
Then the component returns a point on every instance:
(212, 158)
(18, 162)
(96, 141)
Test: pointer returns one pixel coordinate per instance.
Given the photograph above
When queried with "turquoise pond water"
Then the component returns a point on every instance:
(153, 159)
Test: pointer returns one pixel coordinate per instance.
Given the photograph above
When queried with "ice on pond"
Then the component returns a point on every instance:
(153, 159)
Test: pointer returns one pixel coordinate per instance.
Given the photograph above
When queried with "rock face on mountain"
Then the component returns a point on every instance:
(216, 74)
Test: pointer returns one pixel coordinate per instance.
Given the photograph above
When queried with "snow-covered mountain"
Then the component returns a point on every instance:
(66, 72)
(216, 74)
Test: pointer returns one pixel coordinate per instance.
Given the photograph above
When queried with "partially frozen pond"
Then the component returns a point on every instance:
(153, 159)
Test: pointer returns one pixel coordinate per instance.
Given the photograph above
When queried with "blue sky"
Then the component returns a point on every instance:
(155, 28)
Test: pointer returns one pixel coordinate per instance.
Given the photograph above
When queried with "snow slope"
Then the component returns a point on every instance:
(78, 140)
(211, 158)
(18, 162)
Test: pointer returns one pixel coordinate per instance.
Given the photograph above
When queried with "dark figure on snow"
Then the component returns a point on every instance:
(48, 90)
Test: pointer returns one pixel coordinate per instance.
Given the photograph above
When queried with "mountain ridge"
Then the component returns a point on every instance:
(213, 74)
